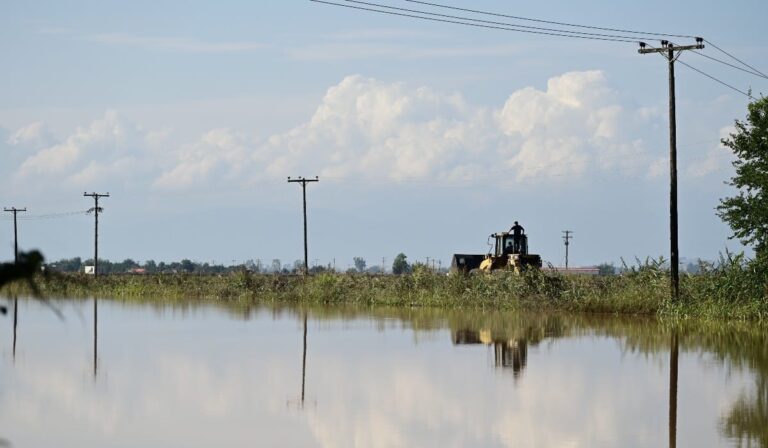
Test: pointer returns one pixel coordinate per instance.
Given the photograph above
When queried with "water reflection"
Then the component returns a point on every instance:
(224, 373)
(673, 366)
(95, 338)
(15, 324)
(507, 352)
(304, 360)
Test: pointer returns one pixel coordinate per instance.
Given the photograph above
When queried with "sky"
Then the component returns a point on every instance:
(427, 137)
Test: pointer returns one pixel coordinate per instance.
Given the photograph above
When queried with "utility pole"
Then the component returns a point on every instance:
(96, 209)
(15, 211)
(383, 265)
(671, 53)
(304, 183)
(567, 238)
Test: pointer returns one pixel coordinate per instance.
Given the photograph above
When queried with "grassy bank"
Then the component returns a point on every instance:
(732, 291)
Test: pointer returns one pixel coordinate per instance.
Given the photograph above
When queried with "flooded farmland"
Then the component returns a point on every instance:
(111, 374)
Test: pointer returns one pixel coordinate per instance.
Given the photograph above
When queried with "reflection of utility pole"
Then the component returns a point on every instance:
(15, 323)
(96, 209)
(15, 211)
(673, 390)
(304, 183)
(671, 53)
(567, 238)
(304, 360)
(95, 337)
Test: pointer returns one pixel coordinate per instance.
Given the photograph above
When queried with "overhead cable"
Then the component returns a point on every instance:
(477, 25)
(617, 30)
(490, 22)
(735, 58)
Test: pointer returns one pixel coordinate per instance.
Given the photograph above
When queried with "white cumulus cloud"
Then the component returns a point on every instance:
(577, 127)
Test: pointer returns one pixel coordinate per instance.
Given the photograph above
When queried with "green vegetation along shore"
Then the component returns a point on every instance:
(733, 291)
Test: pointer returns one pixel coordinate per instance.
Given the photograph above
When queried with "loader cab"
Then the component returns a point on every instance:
(506, 245)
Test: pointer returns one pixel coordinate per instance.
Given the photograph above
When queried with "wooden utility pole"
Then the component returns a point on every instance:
(671, 53)
(96, 209)
(304, 183)
(567, 238)
(15, 211)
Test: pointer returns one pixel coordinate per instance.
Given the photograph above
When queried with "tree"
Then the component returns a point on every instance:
(187, 265)
(400, 265)
(607, 269)
(359, 264)
(747, 212)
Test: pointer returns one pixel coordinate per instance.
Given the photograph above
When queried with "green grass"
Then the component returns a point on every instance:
(733, 291)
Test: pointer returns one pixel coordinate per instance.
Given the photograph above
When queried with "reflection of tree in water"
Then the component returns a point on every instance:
(747, 421)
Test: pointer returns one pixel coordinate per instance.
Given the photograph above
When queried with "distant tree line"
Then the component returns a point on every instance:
(276, 266)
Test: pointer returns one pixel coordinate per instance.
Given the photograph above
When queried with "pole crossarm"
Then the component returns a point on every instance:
(303, 180)
(671, 47)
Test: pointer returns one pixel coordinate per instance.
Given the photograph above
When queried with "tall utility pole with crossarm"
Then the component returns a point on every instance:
(671, 53)
(15, 211)
(96, 209)
(304, 183)
(567, 237)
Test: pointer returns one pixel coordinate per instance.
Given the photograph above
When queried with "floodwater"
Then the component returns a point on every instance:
(203, 376)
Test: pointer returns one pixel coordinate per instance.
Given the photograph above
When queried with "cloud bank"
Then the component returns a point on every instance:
(577, 127)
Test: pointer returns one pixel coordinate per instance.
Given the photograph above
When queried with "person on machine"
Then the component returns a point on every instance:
(517, 232)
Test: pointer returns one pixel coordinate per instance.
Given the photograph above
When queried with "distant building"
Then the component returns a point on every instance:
(90, 270)
(574, 271)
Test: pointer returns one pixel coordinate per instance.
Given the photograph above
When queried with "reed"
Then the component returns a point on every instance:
(734, 290)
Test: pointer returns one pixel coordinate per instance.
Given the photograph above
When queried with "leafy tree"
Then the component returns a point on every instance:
(359, 264)
(607, 269)
(747, 212)
(187, 265)
(400, 265)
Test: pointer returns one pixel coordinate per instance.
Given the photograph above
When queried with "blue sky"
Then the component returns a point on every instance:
(427, 137)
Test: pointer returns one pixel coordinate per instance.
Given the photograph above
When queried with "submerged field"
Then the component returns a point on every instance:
(730, 292)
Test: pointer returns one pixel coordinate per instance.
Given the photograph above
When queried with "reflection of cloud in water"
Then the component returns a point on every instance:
(176, 384)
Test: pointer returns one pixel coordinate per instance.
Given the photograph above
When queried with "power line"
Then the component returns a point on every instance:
(552, 32)
(476, 25)
(718, 80)
(438, 5)
(735, 58)
(505, 24)
(759, 75)
(661, 50)
(49, 216)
